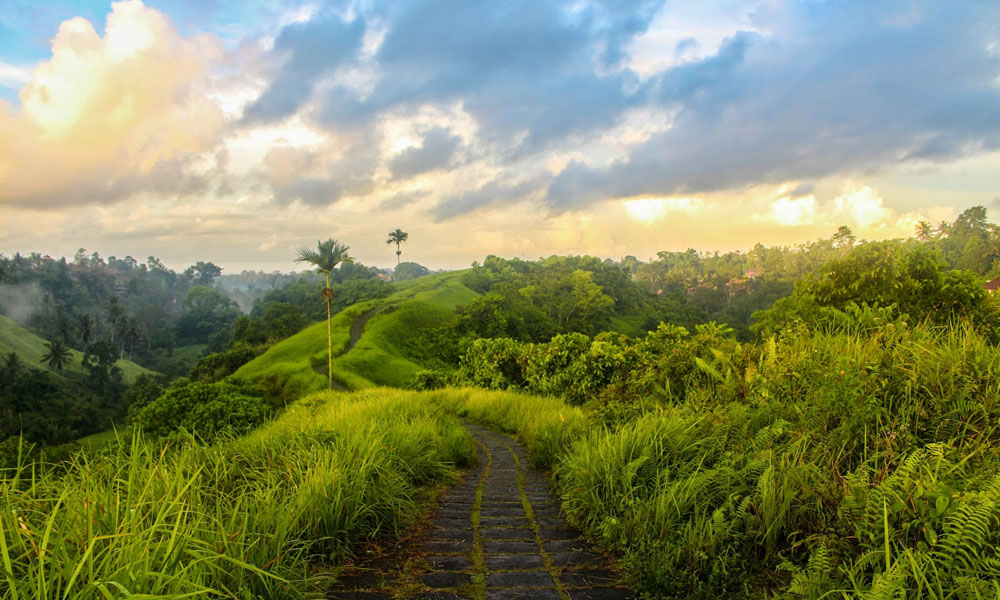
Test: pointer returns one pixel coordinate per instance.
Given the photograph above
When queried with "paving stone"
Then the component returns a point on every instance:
(449, 563)
(451, 534)
(449, 547)
(446, 580)
(453, 513)
(511, 547)
(550, 522)
(459, 499)
(502, 511)
(513, 562)
(359, 596)
(557, 534)
(528, 579)
(515, 567)
(588, 578)
(576, 559)
(503, 503)
(567, 546)
(601, 594)
(522, 594)
(451, 523)
(487, 521)
(536, 498)
(508, 533)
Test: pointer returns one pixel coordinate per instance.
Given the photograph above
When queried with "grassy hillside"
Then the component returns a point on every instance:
(31, 348)
(255, 517)
(387, 350)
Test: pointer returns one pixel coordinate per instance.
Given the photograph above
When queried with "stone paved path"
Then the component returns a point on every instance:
(497, 535)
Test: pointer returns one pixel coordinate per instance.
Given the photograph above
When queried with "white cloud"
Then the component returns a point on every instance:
(861, 204)
(794, 211)
(651, 210)
(117, 113)
(13, 76)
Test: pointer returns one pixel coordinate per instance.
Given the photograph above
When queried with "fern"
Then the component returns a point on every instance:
(968, 534)
(816, 578)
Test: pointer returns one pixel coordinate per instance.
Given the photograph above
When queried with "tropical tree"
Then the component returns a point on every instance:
(924, 231)
(397, 237)
(58, 355)
(85, 327)
(325, 258)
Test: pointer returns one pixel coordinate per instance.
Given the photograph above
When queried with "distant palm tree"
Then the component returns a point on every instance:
(397, 237)
(58, 355)
(924, 231)
(325, 258)
(85, 326)
(943, 229)
(131, 332)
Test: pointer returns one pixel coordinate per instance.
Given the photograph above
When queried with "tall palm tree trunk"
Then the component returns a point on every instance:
(329, 334)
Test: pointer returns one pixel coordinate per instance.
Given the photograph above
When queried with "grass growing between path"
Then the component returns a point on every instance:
(818, 465)
(244, 518)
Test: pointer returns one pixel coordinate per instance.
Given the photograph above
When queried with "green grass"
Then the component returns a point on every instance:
(385, 353)
(818, 465)
(265, 515)
(293, 361)
(31, 348)
(190, 352)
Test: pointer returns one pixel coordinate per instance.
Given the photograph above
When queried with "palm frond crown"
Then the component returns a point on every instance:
(326, 256)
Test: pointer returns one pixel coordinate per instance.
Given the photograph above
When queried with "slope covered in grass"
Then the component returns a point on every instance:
(30, 348)
(387, 352)
(256, 517)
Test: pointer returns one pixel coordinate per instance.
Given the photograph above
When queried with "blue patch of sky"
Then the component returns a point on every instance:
(28, 26)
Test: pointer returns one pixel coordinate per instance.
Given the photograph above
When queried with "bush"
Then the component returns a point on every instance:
(428, 379)
(206, 409)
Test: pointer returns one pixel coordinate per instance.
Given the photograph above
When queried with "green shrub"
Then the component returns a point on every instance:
(206, 409)
(428, 379)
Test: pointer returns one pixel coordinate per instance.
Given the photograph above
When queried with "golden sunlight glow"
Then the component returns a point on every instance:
(651, 210)
(792, 212)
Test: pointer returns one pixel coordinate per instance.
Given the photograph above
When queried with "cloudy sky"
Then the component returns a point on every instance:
(199, 130)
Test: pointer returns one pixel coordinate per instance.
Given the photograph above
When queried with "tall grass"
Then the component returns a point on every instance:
(821, 464)
(243, 518)
(547, 426)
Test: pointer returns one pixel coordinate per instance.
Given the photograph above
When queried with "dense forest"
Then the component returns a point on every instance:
(790, 422)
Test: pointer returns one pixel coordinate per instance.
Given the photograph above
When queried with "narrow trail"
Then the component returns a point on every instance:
(358, 326)
(497, 535)
(357, 330)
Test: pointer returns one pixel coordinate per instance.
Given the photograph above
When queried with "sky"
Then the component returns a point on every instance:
(237, 132)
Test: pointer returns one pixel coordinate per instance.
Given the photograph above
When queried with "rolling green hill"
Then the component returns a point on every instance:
(30, 348)
(374, 342)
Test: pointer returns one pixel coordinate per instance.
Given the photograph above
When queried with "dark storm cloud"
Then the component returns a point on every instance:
(436, 152)
(526, 69)
(507, 187)
(308, 51)
(828, 88)
(842, 88)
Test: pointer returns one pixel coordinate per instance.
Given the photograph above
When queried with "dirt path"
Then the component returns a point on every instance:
(497, 535)
(357, 330)
(358, 326)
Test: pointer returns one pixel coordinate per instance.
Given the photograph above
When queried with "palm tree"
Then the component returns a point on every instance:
(130, 331)
(85, 326)
(397, 237)
(325, 258)
(924, 231)
(58, 355)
